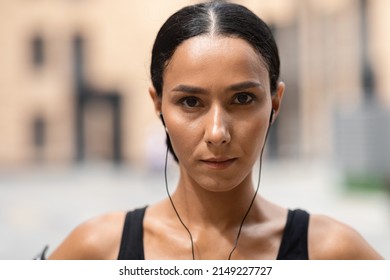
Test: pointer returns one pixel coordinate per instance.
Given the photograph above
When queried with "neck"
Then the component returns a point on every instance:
(225, 210)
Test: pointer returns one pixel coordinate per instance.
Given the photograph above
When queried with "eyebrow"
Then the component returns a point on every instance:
(189, 89)
(236, 87)
(245, 85)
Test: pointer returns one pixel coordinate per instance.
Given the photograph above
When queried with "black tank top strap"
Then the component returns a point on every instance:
(131, 247)
(294, 245)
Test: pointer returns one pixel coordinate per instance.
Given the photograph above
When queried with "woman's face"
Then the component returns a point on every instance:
(216, 105)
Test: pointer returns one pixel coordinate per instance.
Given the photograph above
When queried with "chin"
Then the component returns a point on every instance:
(218, 186)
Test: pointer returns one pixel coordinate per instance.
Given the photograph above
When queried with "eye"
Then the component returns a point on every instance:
(243, 98)
(190, 102)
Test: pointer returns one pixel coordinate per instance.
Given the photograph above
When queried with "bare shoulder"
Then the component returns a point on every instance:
(331, 239)
(98, 238)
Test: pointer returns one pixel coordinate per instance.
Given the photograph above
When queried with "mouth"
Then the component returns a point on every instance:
(219, 163)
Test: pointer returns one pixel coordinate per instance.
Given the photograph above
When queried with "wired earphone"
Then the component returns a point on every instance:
(250, 205)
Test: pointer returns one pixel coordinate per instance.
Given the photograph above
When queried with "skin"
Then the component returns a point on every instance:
(216, 104)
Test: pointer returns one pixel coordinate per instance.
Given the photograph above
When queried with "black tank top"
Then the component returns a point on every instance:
(293, 245)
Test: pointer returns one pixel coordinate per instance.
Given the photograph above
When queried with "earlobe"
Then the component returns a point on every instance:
(277, 100)
(156, 99)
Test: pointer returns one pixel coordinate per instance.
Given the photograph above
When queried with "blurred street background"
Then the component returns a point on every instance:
(79, 136)
(41, 207)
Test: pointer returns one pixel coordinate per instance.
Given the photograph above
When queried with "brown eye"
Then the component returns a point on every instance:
(190, 102)
(243, 98)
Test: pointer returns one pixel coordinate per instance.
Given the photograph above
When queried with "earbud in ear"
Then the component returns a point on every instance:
(271, 117)
(163, 122)
(162, 119)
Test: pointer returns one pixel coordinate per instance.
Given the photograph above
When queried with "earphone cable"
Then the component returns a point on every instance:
(173, 205)
(253, 198)
(246, 213)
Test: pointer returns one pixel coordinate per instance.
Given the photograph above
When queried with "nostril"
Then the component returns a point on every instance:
(217, 127)
(222, 138)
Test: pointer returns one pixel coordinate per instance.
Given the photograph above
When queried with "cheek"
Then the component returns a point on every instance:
(184, 135)
(252, 135)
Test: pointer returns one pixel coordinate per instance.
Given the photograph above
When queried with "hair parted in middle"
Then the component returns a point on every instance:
(213, 18)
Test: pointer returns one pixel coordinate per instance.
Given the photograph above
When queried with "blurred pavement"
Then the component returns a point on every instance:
(41, 206)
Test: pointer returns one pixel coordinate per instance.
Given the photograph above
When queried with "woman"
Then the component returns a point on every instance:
(215, 71)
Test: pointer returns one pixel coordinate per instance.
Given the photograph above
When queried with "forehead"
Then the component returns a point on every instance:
(216, 58)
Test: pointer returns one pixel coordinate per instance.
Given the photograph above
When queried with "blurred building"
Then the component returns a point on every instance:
(75, 74)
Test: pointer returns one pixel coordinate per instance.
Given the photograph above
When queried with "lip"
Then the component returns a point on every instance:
(219, 163)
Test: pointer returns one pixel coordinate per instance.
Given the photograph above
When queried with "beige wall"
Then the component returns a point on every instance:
(380, 46)
(119, 37)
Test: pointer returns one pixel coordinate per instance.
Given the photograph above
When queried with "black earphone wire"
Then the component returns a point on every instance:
(254, 196)
(173, 205)
(250, 205)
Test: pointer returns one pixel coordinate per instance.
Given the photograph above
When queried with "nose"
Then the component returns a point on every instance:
(217, 127)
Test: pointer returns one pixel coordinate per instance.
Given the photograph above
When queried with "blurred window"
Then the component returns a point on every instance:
(39, 135)
(39, 132)
(38, 51)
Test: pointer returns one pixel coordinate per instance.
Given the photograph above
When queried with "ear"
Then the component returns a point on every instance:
(277, 99)
(156, 100)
